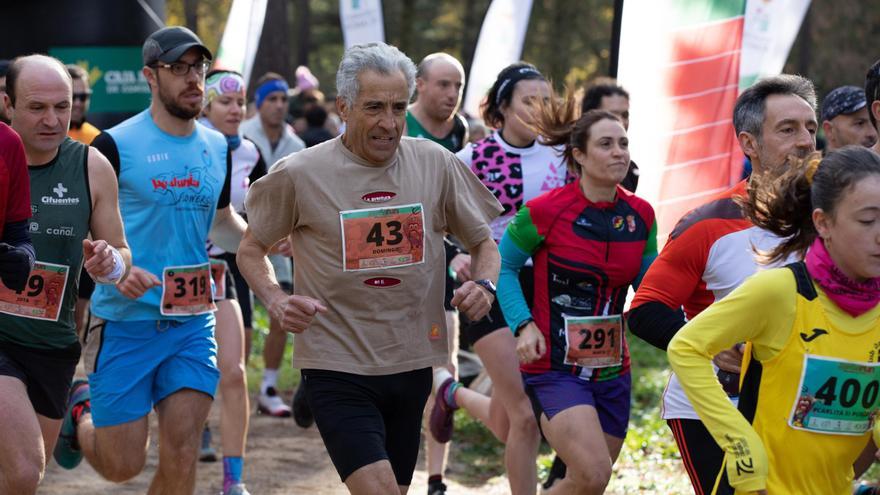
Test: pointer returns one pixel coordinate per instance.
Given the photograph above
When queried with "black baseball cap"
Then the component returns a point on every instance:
(843, 100)
(170, 43)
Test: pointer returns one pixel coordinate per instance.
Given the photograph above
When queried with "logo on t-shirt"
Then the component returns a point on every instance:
(378, 196)
(191, 189)
(58, 198)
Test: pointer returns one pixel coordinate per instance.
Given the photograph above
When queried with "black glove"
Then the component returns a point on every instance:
(15, 266)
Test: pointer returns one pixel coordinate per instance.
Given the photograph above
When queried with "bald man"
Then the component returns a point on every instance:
(434, 115)
(73, 193)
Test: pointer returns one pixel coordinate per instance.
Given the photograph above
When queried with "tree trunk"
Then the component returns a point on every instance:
(273, 54)
(303, 32)
(191, 14)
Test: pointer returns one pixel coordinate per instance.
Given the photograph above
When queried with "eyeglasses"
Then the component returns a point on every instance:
(83, 97)
(182, 68)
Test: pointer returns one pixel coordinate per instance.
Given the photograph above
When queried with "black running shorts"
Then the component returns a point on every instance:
(366, 419)
(474, 331)
(46, 373)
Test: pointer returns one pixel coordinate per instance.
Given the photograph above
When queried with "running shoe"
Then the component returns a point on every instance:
(270, 403)
(442, 413)
(67, 451)
(207, 453)
(436, 489)
(236, 489)
(302, 413)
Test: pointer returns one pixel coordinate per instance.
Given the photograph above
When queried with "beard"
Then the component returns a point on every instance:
(176, 109)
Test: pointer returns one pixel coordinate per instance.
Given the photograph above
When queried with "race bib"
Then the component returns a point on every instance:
(42, 297)
(836, 397)
(382, 237)
(219, 268)
(186, 290)
(593, 341)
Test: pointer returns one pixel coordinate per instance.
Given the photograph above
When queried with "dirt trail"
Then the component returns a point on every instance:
(281, 459)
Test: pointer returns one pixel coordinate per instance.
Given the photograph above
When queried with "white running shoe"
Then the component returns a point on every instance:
(270, 403)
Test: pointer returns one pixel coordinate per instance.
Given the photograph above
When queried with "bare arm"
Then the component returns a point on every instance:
(227, 229)
(106, 222)
(473, 299)
(294, 312)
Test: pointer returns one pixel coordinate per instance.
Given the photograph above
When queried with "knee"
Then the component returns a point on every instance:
(232, 376)
(591, 479)
(124, 467)
(522, 418)
(23, 476)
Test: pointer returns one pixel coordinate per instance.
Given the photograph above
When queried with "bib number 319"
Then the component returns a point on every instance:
(186, 290)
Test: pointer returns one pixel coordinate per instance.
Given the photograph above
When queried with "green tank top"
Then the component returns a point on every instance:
(41, 315)
(454, 141)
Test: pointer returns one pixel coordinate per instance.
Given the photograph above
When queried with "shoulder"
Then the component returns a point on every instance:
(774, 287)
(554, 199)
(99, 168)
(640, 205)
(130, 126)
(718, 217)
(214, 137)
(319, 158)
(424, 149)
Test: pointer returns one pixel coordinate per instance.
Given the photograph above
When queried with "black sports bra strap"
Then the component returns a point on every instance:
(804, 282)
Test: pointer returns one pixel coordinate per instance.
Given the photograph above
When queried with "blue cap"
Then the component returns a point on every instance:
(843, 100)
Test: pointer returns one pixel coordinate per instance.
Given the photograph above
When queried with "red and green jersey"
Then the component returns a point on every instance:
(586, 256)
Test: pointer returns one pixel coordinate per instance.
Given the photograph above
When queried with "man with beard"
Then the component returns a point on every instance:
(150, 342)
(711, 251)
(81, 130)
(845, 118)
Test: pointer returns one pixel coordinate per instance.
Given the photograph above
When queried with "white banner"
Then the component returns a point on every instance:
(771, 27)
(499, 45)
(238, 47)
(361, 21)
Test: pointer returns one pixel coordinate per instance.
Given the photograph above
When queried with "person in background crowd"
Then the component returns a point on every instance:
(845, 118)
(606, 94)
(275, 140)
(4, 67)
(80, 129)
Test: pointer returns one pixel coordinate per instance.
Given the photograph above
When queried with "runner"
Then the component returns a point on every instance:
(150, 341)
(845, 118)
(809, 394)
(516, 167)
(275, 140)
(74, 193)
(872, 96)
(606, 94)
(224, 109)
(439, 83)
(367, 307)
(590, 240)
(709, 253)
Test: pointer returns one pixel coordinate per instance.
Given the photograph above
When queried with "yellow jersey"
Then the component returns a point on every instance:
(810, 388)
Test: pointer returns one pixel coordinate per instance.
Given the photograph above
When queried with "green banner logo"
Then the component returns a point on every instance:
(118, 85)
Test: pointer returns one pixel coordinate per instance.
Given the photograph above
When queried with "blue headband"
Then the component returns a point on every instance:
(269, 87)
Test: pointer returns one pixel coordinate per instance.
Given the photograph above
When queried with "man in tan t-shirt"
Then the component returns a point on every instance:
(366, 214)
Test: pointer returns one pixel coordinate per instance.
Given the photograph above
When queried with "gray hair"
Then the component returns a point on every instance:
(378, 57)
(748, 113)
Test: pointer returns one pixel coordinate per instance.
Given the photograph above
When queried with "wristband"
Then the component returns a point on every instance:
(118, 270)
(522, 324)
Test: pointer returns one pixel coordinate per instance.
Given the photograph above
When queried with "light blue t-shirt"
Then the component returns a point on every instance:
(169, 190)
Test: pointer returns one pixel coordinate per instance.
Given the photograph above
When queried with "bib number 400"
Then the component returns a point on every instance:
(850, 392)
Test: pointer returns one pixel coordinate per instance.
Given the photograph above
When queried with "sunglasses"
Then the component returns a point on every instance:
(83, 97)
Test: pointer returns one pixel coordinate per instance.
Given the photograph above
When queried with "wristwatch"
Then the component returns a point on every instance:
(486, 284)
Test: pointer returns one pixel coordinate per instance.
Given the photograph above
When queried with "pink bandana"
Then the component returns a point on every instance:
(853, 297)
